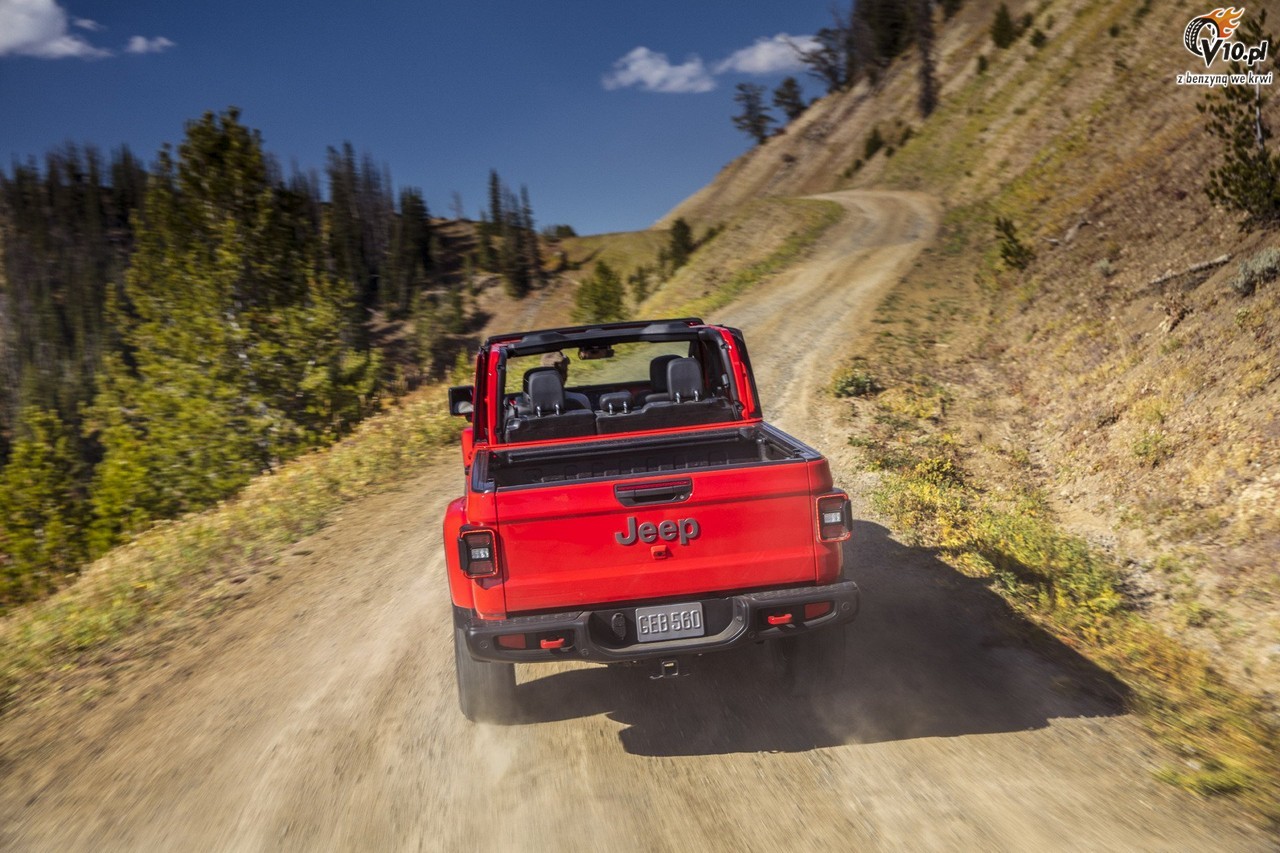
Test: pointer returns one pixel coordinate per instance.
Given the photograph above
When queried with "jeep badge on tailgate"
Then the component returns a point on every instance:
(684, 529)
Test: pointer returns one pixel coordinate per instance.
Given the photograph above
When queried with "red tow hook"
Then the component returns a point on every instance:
(779, 619)
(555, 643)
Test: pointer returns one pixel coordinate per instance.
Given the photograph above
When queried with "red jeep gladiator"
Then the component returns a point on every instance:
(631, 506)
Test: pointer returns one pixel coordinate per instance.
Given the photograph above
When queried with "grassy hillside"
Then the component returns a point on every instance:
(1096, 432)
(755, 243)
(1142, 391)
(764, 237)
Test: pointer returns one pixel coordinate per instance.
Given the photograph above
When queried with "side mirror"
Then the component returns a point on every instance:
(462, 400)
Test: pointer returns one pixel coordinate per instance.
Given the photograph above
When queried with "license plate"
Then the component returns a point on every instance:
(669, 622)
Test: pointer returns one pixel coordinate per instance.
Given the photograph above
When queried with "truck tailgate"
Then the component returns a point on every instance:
(659, 536)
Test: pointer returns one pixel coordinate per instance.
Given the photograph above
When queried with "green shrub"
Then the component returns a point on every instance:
(852, 168)
(1260, 269)
(1152, 447)
(1003, 30)
(858, 382)
(873, 143)
(1014, 253)
(940, 471)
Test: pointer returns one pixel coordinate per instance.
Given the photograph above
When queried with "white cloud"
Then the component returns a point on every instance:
(768, 55)
(139, 44)
(39, 28)
(86, 24)
(653, 72)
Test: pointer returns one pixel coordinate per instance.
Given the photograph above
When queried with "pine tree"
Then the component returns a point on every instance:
(754, 120)
(410, 260)
(122, 498)
(1003, 30)
(361, 211)
(890, 24)
(41, 509)
(533, 251)
(680, 244)
(924, 46)
(638, 283)
(430, 326)
(600, 298)
(487, 255)
(513, 255)
(1247, 178)
(497, 213)
(67, 238)
(789, 98)
(832, 59)
(237, 352)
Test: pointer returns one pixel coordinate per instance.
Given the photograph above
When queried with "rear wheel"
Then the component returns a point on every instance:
(486, 691)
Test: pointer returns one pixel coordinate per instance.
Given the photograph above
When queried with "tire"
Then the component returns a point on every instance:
(486, 691)
(1191, 35)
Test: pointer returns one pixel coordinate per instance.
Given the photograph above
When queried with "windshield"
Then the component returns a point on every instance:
(628, 366)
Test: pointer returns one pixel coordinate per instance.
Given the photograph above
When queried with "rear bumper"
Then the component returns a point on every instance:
(593, 635)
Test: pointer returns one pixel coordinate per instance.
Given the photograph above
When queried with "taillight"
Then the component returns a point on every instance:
(835, 518)
(477, 553)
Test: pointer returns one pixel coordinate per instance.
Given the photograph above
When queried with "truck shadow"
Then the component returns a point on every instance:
(932, 654)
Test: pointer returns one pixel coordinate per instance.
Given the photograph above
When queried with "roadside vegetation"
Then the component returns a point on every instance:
(167, 333)
(1006, 532)
(765, 238)
(197, 566)
(1072, 394)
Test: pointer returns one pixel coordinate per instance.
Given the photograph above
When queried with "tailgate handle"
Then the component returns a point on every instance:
(671, 491)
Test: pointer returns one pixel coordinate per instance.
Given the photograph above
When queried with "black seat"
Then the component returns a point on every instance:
(615, 403)
(571, 402)
(685, 404)
(657, 380)
(543, 414)
(684, 380)
(683, 383)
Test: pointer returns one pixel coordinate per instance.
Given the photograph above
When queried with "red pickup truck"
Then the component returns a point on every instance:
(642, 511)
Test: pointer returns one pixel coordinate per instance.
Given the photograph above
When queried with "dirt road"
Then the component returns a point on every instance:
(321, 713)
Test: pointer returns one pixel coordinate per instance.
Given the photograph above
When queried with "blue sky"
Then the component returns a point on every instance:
(571, 97)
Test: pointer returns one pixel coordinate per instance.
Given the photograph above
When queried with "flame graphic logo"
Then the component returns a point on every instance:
(1223, 21)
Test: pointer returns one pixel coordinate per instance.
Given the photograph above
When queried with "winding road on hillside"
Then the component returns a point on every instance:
(320, 713)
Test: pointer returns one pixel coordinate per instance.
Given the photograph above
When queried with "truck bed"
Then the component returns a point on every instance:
(637, 457)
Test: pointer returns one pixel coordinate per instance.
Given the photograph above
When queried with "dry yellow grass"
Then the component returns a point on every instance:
(169, 570)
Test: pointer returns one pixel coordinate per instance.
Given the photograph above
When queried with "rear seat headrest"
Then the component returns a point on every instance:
(684, 380)
(615, 402)
(546, 394)
(533, 371)
(658, 371)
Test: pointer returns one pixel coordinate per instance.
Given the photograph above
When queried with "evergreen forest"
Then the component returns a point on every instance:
(169, 330)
